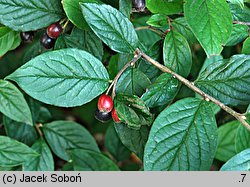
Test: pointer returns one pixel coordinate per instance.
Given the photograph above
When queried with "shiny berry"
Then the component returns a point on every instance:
(115, 116)
(47, 42)
(27, 37)
(139, 4)
(54, 30)
(105, 103)
(102, 116)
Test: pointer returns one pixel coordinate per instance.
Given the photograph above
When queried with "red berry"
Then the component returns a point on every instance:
(115, 116)
(54, 30)
(105, 103)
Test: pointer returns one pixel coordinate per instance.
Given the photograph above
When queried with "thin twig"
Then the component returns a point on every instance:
(240, 117)
(242, 23)
(38, 126)
(149, 28)
(130, 63)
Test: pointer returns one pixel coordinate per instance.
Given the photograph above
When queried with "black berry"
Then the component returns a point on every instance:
(139, 4)
(27, 36)
(47, 42)
(102, 116)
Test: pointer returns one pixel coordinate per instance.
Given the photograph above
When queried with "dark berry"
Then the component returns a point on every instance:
(47, 42)
(54, 30)
(102, 116)
(27, 36)
(115, 116)
(105, 103)
(139, 4)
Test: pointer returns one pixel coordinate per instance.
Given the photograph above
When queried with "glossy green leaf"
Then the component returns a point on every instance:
(115, 146)
(125, 7)
(183, 137)
(239, 33)
(237, 2)
(67, 77)
(228, 81)
(246, 47)
(211, 26)
(242, 139)
(44, 162)
(134, 140)
(226, 141)
(7, 37)
(181, 25)
(162, 92)
(240, 14)
(85, 40)
(240, 162)
(64, 135)
(165, 7)
(17, 41)
(132, 82)
(177, 54)
(209, 61)
(13, 103)
(28, 15)
(111, 26)
(20, 131)
(133, 111)
(158, 20)
(74, 13)
(85, 160)
(14, 153)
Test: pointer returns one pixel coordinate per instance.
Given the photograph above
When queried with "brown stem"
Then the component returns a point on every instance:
(130, 63)
(240, 117)
(242, 23)
(38, 126)
(149, 28)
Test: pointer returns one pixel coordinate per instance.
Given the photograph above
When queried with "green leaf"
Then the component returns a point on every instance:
(226, 141)
(134, 140)
(14, 153)
(28, 15)
(165, 6)
(44, 162)
(7, 37)
(84, 160)
(132, 82)
(211, 26)
(242, 139)
(183, 137)
(246, 46)
(239, 33)
(125, 7)
(111, 26)
(181, 25)
(17, 41)
(13, 103)
(20, 131)
(115, 146)
(240, 14)
(237, 2)
(133, 111)
(74, 13)
(228, 81)
(209, 61)
(240, 162)
(158, 20)
(64, 135)
(162, 92)
(177, 54)
(148, 69)
(85, 40)
(66, 78)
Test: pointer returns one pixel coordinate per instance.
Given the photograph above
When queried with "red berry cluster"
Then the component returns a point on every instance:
(53, 32)
(106, 109)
